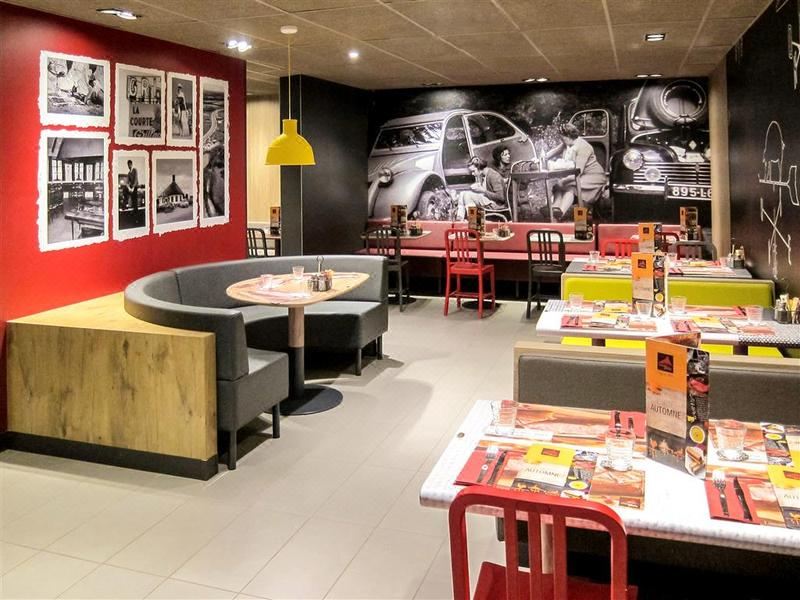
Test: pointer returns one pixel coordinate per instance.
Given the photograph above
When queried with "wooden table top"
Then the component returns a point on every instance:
(292, 293)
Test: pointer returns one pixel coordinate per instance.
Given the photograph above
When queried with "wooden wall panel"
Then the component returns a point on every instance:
(263, 182)
(113, 381)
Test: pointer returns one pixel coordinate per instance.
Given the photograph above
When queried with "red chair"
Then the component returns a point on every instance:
(622, 247)
(496, 582)
(464, 256)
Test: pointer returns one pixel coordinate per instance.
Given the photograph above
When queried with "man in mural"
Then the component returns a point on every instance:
(592, 175)
(129, 190)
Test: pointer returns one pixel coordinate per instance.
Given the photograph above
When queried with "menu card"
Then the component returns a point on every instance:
(581, 218)
(786, 484)
(676, 393)
(650, 237)
(275, 219)
(650, 280)
(399, 216)
(688, 219)
(475, 218)
(618, 488)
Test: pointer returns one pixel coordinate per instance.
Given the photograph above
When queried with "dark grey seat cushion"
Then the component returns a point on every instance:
(345, 324)
(240, 401)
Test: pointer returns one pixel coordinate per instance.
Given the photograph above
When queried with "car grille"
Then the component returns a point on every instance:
(687, 173)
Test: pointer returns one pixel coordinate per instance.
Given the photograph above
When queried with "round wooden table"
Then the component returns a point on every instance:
(295, 295)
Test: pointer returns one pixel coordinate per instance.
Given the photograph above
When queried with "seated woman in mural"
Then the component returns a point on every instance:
(593, 176)
(490, 189)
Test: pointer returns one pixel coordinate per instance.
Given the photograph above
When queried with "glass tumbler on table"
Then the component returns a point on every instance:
(506, 419)
(575, 302)
(644, 308)
(730, 439)
(754, 313)
(594, 256)
(297, 272)
(677, 305)
(619, 449)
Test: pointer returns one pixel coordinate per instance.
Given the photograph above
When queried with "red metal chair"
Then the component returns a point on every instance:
(464, 256)
(496, 582)
(622, 247)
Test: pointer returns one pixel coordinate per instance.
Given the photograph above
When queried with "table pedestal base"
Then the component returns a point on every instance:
(315, 399)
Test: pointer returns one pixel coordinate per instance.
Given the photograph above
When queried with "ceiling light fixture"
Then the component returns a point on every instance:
(240, 45)
(535, 80)
(648, 75)
(431, 84)
(119, 12)
(655, 37)
(289, 148)
(353, 54)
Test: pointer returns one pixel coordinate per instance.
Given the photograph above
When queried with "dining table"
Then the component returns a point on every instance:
(675, 505)
(716, 324)
(683, 268)
(295, 293)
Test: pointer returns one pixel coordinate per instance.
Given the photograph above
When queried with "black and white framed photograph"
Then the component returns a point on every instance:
(139, 106)
(174, 190)
(182, 118)
(74, 90)
(130, 180)
(72, 189)
(214, 184)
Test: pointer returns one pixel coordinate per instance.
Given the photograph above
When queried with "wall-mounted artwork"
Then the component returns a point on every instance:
(182, 119)
(139, 106)
(74, 90)
(72, 189)
(214, 184)
(130, 180)
(641, 148)
(174, 190)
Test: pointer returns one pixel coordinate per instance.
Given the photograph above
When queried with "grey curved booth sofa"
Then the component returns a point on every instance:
(252, 370)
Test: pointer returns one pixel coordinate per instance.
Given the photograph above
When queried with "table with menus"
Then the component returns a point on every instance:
(674, 504)
(605, 319)
(685, 268)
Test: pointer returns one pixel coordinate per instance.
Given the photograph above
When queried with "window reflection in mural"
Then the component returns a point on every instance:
(641, 151)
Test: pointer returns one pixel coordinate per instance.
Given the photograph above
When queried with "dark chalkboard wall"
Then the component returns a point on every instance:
(764, 142)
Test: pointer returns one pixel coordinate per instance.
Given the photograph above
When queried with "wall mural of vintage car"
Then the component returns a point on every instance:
(649, 138)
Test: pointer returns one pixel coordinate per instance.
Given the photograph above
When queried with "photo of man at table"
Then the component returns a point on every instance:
(676, 396)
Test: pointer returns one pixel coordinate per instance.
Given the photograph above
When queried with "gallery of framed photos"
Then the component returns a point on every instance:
(167, 144)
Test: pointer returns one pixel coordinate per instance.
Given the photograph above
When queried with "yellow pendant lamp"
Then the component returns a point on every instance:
(290, 148)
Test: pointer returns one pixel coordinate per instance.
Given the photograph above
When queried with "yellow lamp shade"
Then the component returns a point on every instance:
(290, 148)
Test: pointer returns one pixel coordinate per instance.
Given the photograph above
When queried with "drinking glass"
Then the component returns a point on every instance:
(594, 256)
(754, 313)
(730, 439)
(644, 308)
(265, 282)
(677, 304)
(506, 419)
(297, 272)
(575, 301)
(619, 449)
(672, 257)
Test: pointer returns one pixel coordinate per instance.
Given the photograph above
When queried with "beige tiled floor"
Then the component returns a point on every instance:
(329, 510)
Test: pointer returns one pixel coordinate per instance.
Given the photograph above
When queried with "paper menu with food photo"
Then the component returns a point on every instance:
(786, 484)
(676, 400)
(649, 237)
(649, 281)
(618, 488)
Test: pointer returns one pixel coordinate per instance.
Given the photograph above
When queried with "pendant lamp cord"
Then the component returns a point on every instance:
(289, 70)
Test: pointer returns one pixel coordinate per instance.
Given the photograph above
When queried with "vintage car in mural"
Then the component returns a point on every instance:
(665, 160)
(414, 159)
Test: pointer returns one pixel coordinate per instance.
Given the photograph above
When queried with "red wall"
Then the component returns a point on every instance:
(32, 281)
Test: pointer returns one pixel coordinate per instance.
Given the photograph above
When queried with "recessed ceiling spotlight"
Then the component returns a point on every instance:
(240, 45)
(431, 84)
(353, 54)
(648, 75)
(535, 80)
(655, 37)
(119, 12)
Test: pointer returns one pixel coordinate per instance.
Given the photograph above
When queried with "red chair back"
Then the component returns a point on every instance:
(532, 506)
(463, 246)
(623, 247)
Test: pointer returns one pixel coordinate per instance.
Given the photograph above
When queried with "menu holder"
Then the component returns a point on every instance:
(581, 219)
(650, 237)
(275, 220)
(649, 280)
(399, 218)
(676, 397)
(475, 218)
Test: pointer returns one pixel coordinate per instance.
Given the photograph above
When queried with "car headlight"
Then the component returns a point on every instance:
(633, 159)
(385, 176)
(652, 174)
